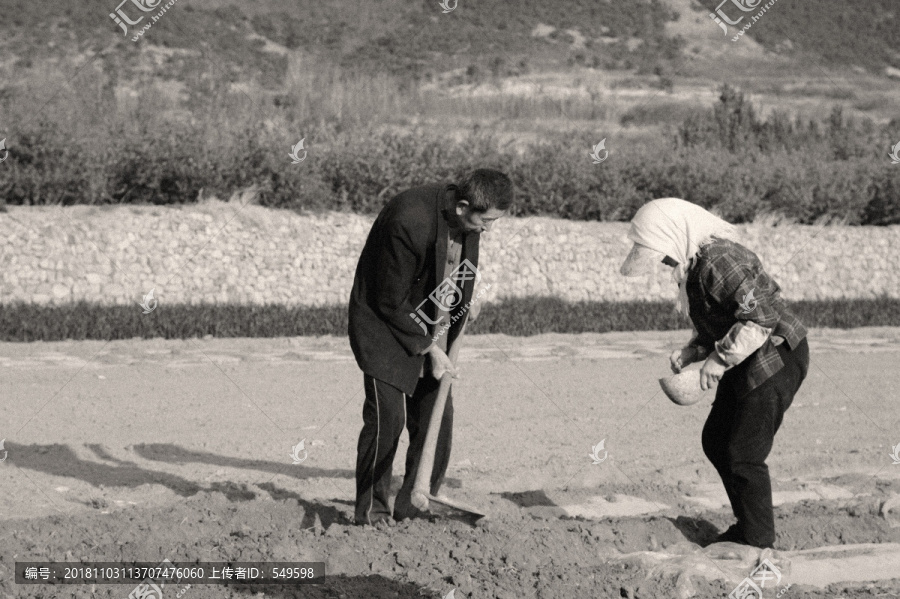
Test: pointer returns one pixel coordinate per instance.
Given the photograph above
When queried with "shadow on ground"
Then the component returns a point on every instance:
(173, 454)
(696, 530)
(60, 460)
(526, 499)
(327, 514)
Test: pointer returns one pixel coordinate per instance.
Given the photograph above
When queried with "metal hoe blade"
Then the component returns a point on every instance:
(451, 507)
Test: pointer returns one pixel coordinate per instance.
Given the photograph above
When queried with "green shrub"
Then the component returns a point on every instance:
(883, 207)
(728, 160)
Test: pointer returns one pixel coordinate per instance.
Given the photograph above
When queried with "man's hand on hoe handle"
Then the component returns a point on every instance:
(440, 363)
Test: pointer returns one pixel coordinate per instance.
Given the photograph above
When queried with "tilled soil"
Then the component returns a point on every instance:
(510, 556)
(147, 450)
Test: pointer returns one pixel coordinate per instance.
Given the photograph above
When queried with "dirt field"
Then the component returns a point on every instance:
(145, 450)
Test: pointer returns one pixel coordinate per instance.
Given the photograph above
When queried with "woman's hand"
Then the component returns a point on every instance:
(712, 371)
(682, 357)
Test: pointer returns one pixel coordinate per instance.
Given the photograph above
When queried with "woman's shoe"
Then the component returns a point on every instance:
(732, 535)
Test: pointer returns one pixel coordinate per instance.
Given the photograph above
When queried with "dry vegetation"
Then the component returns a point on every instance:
(216, 94)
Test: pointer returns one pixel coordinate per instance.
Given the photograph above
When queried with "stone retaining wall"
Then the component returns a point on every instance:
(222, 252)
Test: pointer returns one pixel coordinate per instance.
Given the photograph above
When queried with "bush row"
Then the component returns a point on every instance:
(517, 317)
(556, 179)
(727, 159)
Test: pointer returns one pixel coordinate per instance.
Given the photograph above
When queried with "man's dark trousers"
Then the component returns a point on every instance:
(385, 410)
(738, 437)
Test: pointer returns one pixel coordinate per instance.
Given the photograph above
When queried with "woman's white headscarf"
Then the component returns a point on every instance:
(675, 228)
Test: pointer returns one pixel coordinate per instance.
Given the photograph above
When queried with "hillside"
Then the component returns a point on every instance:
(411, 39)
(416, 41)
(829, 33)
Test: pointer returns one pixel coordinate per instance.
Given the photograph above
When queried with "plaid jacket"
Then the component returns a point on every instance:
(725, 284)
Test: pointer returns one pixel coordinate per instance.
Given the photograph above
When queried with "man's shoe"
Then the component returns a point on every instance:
(407, 510)
(385, 521)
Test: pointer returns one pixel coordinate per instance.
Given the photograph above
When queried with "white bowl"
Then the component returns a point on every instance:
(684, 388)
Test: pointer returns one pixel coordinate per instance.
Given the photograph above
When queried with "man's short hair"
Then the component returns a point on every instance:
(485, 188)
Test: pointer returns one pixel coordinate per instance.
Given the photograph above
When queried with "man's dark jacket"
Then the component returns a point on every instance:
(401, 264)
